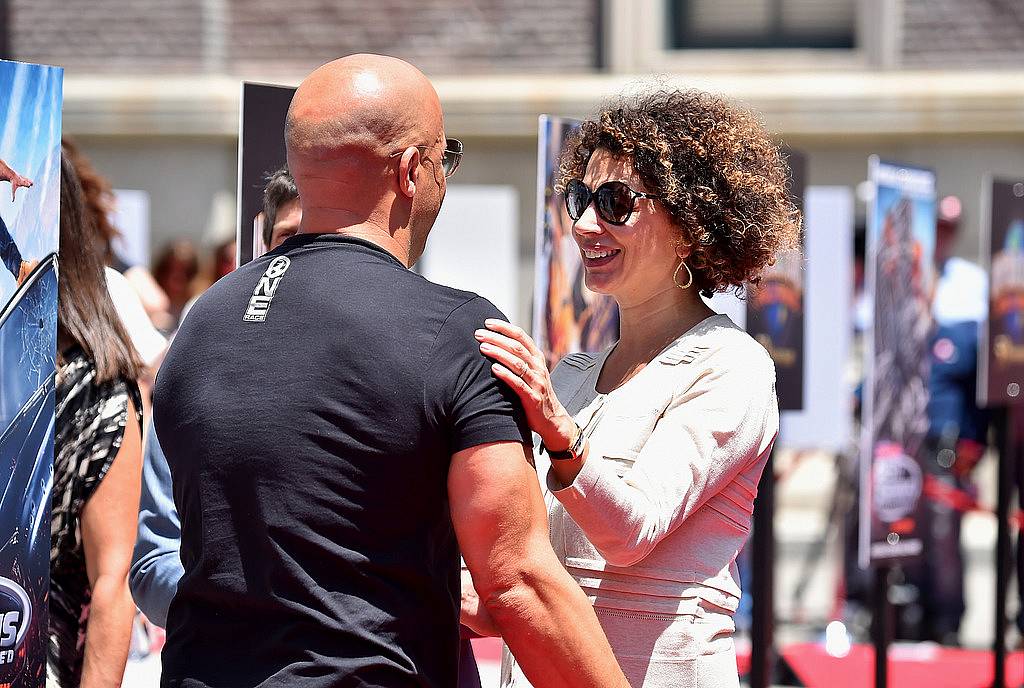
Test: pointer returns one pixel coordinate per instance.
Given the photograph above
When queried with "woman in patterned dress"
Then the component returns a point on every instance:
(97, 464)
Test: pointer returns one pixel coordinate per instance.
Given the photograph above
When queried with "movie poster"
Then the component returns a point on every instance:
(900, 276)
(775, 307)
(30, 112)
(567, 317)
(263, 109)
(825, 422)
(1001, 353)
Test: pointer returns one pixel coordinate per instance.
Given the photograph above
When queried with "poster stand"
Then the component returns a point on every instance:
(775, 317)
(30, 163)
(762, 616)
(882, 630)
(1005, 427)
(1001, 370)
(567, 317)
(901, 239)
(262, 111)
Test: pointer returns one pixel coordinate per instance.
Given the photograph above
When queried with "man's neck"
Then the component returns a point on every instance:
(321, 221)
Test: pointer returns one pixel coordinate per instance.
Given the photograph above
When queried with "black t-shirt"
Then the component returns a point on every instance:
(309, 407)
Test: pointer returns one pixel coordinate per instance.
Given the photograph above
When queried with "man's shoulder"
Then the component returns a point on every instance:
(458, 307)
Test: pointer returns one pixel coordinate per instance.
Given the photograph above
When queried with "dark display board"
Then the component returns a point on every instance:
(261, 150)
(1001, 350)
(775, 307)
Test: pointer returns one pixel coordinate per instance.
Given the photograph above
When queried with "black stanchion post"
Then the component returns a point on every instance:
(1005, 427)
(762, 616)
(882, 625)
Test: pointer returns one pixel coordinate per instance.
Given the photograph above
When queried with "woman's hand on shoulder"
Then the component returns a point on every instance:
(521, 365)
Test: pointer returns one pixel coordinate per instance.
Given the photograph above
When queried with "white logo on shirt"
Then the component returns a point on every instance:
(265, 289)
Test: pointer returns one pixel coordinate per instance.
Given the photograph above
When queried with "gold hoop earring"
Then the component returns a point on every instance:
(675, 275)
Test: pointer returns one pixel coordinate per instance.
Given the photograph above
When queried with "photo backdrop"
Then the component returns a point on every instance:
(567, 317)
(30, 110)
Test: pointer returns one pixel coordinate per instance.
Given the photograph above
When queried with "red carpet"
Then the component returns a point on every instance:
(920, 665)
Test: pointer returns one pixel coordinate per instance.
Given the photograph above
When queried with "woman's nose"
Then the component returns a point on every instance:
(588, 224)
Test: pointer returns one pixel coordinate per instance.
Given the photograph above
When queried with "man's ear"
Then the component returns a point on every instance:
(408, 168)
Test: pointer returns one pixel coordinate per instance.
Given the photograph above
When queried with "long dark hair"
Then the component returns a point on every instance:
(85, 313)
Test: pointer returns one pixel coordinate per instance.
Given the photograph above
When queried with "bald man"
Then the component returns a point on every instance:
(324, 500)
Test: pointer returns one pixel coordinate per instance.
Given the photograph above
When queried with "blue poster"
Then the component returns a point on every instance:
(30, 110)
(900, 278)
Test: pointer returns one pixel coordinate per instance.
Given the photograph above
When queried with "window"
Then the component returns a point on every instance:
(761, 24)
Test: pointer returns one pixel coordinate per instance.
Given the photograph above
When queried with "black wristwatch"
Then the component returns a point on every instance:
(572, 453)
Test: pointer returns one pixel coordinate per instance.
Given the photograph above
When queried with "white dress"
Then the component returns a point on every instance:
(651, 526)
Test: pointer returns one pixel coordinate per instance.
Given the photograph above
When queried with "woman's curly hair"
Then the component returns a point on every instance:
(717, 172)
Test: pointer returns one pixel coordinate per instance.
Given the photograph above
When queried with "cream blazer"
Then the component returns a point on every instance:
(652, 525)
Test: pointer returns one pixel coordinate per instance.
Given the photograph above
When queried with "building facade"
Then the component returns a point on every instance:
(151, 89)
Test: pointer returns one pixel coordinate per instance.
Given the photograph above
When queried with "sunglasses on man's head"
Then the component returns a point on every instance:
(450, 157)
(613, 201)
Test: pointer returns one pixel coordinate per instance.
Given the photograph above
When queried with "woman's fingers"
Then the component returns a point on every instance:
(515, 332)
(518, 385)
(507, 343)
(509, 360)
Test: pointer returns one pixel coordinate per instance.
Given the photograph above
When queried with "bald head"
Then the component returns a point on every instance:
(365, 139)
(362, 104)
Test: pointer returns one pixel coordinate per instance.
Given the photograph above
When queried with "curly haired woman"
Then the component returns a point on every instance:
(652, 449)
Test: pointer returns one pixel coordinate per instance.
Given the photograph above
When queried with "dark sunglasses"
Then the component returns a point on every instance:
(450, 157)
(614, 201)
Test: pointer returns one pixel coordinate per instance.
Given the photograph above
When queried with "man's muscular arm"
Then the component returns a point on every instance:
(543, 615)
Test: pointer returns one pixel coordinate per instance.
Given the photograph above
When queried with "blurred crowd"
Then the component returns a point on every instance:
(181, 272)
